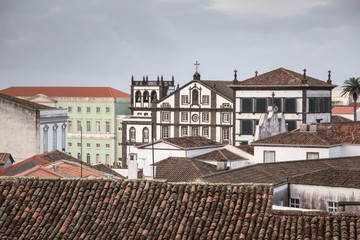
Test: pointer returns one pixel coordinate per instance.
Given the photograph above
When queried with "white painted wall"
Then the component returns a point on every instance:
(316, 197)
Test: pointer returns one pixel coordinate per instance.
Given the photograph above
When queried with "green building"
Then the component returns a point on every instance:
(97, 111)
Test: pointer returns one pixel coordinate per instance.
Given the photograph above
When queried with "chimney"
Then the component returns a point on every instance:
(132, 167)
(256, 73)
(222, 165)
(317, 125)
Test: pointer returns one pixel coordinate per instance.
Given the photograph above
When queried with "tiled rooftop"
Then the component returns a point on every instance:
(339, 119)
(278, 172)
(191, 142)
(221, 87)
(284, 77)
(333, 177)
(23, 102)
(220, 154)
(247, 148)
(329, 134)
(180, 169)
(4, 157)
(65, 92)
(343, 109)
(32, 208)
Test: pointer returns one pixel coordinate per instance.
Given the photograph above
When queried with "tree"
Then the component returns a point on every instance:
(352, 87)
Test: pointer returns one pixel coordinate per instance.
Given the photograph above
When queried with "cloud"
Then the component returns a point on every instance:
(279, 8)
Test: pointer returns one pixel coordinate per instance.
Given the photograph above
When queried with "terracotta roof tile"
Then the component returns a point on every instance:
(329, 134)
(39, 171)
(65, 92)
(343, 110)
(220, 154)
(192, 142)
(334, 177)
(33, 208)
(339, 119)
(23, 102)
(278, 172)
(179, 169)
(284, 77)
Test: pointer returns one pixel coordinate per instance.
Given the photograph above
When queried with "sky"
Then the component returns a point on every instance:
(105, 42)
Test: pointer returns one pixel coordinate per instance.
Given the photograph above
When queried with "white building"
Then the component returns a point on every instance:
(29, 128)
(326, 140)
(199, 108)
(302, 99)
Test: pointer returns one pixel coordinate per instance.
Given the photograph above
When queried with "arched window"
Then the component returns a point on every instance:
(79, 156)
(45, 138)
(146, 97)
(145, 135)
(138, 96)
(195, 96)
(107, 159)
(132, 134)
(88, 158)
(97, 158)
(153, 96)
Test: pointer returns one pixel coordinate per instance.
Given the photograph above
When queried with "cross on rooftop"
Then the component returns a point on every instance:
(197, 64)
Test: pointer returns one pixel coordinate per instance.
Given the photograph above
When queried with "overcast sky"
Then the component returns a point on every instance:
(104, 42)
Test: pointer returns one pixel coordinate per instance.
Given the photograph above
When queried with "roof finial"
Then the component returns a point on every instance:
(132, 78)
(329, 77)
(304, 76)
(273, 99)
(196, 64)
(256, 72)
(235, 81)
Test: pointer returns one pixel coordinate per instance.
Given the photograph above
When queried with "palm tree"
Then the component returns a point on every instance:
(352, 87)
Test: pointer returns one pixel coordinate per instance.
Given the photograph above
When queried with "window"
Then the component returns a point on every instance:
(138, 96)
(97, 109)
(146, 114)
(332, 206)
(153, 96)
(269, 156)
(78, 145)
(97, 145)
(195, 96)
(184, 99)
(107, 109)
(69, 109)
(78, 109)
(225, 134)
(205, 99)
(79, 156)
(205, 132)
(289, 105)
(226, 117)
(184, 131)
(88, 126)
(97, 158)
(205, 117)
(166, 105)
(312, 155)
(194, 131)
(145, 135)
(247, 127)
(69, 126)
(69, 144)
(88, 158)
(165, 116)
(107, 159)
(88, 109)
(165, 132)
(260, 105)
(226, 105)
(97, 126)
(45, 138)
(291, 125)
(246, 105)
(78, 124)
(146, 97)
(278, 104)
(107, 126)
(88, 145)
(107, 145)
(184, 116)
(320, 105)
(132, 134)
(55, 127)
(294, 202)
